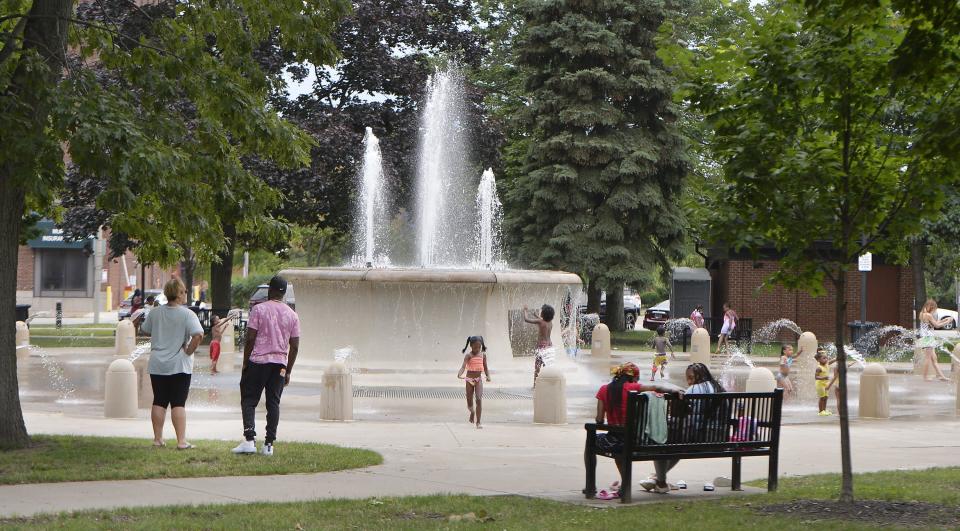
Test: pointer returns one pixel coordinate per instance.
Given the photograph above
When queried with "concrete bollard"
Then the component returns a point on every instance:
(336, 395)
(144, 385)
(228, 342)
(120, 390)
(761, 380)
(550, 397)
(125, 341)
(23, 334)
(955, 365)
(700, 346)
(874, 392)
(917, 360)
(600, 346)
(803, 372)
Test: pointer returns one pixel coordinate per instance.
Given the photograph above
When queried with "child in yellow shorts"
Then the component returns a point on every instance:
(661, 344)
(822, 378)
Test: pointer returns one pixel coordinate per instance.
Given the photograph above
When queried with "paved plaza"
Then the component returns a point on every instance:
(428, 445)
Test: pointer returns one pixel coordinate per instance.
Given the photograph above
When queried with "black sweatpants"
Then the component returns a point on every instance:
(256, 378)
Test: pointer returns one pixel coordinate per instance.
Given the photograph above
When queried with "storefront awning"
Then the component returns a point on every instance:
(51, 237)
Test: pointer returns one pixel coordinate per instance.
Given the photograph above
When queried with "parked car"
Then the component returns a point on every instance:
(260, 295)
(631, 307)
(657, 316)
(124, 311)
(941, 313)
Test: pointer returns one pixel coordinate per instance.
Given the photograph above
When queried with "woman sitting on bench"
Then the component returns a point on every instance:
(700, 382)
(612, 404)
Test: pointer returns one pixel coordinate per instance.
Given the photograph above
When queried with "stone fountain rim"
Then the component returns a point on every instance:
(431, 275)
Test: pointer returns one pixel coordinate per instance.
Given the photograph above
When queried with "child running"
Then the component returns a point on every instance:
(544, 324)
(822, 377)
(475, 366)
(661, 343)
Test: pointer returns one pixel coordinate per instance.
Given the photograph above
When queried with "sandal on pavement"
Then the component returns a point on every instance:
(607, 495)
(648, 484)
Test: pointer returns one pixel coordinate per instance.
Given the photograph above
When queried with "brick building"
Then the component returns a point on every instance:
(737, 279)
(51, 269)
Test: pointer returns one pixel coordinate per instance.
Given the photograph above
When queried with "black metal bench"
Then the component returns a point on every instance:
(722, 425)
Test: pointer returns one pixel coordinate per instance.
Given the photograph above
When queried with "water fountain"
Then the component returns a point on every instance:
(491, 213)
(417, 316)
(372, 204)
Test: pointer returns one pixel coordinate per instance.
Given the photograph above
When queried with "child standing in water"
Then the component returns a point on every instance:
(661, 343)
(787, 357)
(217, 327)
(475, 366)
(544, 324)
(823, 377)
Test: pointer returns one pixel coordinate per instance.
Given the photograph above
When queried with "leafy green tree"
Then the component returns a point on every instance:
(825, 152)
(603, 175)
(161, 177)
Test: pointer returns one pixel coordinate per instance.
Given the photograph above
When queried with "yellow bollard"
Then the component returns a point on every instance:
(109, 302)
(196, 294)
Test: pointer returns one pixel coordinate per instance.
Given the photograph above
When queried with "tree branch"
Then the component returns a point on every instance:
(8, 45)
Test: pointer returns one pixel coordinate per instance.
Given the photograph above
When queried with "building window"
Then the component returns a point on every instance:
(63, 273)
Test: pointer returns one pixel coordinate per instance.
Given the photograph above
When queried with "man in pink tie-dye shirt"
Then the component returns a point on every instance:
(270, 350)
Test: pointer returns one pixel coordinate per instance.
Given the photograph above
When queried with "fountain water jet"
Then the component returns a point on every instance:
(490, 213)
(372, 200)
(442, 190)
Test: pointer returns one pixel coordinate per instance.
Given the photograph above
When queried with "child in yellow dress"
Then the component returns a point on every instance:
(822, 378)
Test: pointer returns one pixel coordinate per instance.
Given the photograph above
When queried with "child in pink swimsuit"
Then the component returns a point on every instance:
(475, 366)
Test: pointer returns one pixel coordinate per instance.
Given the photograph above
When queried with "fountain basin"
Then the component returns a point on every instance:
(417, 317)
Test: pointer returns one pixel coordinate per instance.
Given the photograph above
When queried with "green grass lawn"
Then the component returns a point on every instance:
(72, 458)
(71, 342)
(74, 331)
(937, 486)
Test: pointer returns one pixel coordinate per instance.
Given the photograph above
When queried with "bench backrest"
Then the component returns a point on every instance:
(710, 421)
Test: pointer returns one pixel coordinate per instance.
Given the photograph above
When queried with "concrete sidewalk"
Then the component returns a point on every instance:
(441, 457)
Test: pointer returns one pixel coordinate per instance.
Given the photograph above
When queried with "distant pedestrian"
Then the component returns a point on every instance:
(270, 350)
(697, 317)
(729, 325)
(544, 323)
(475, 366)
(175, 334)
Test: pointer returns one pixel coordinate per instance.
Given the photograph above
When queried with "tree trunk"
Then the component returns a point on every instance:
(615, 317)
(593, 297)
(221, 274)
(846, 466)
(189, 265)
(13, 432)
(45, 33)
(917, 257)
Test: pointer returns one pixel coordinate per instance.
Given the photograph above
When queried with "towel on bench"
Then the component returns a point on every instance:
(655, 429)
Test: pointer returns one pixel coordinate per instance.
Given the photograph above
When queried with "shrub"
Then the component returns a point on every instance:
(242, 288)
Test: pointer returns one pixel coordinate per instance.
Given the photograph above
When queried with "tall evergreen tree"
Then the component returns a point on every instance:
(601, 186)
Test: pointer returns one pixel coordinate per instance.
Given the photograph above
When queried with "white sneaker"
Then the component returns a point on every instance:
(245, 447)
(267, 449)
